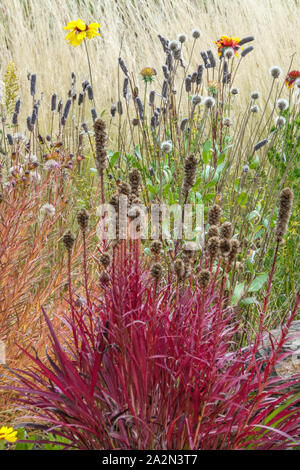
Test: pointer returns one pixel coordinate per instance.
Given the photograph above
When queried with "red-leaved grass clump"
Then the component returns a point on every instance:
(150, 363)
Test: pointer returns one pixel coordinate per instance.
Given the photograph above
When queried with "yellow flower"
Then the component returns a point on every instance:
(8, 434)
(80, 30)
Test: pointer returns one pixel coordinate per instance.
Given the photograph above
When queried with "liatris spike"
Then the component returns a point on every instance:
(33, 84)
(188, 84)
(67, 109)
(205, 59)
(247, 50)
(120, 108)
(204, 278)
(245, 40)
(94, 114)
(90, 92)
(83, 220)
(68, 240)
(214, 215)
(199, 74)
(80, 98)
(125, 87)
(235, 245)
(284, 213)
(101, 141)
(53, 102)
(211, 58)
(260, 144)
(140, 107)
(123, 66)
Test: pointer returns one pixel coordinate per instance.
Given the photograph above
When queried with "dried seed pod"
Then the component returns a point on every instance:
(123, 66)
(155, 247)
(124, 188)
(104, 278)
(80, 99)
(140, 107)
(204, 278)
(179, 269)
(235, 245)
(247, 50)
(33, 84)
(135, 180)
(211, 58)
(125, 87)
(83, 220)
(214, 215)
(105, 260)
(226, 230)
(205, 59)
(190, 168)
(188, 84)
(53, 102)
(225, 247)
(245, 40)
(183, 124)
(94, 114)
(67, 109)
(260, 144)
(213, 231)
(113, 110)
(199, 75)
(68, 240)
(284, 213)
(156, 271)
(101, 141)
(213, 245)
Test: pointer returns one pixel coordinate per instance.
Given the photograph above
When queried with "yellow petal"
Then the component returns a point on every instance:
(80, 25)
(92, 33)
(70, 25)
(94, 25)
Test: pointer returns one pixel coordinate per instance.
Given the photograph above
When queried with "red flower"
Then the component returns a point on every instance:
(226, 41)
(292, 77)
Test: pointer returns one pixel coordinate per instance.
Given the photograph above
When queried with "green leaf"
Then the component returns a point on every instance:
(249, 301)
(238, 292)
(258, 282)
(242, 199)
(113, 159)
(206, 154)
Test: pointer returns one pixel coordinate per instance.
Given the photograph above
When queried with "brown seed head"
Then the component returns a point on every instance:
(213, 231)
(204, 278)
(155, 247)
(68, 240)
(156, 271)
(225, 247)
(226, 230)
(190, 168)
(101, 140)
(105, 260)
(104, 277)
(214, 215)
(213, 245)
(179, 269)
(83, 219)
(284, 213)
(135, 180)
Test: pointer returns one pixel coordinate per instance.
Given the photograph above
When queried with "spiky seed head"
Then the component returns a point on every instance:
(214, 215)
(275, 71)
(213, 231)
(254, 109)
(204, 278)
(209, 102)
(254, 95)
(166, 147)
(182, 38)
(101, 140)
(282, 104)
(196, 100)
(284, 213)
(196, 33)
(179, 269)
(155, 247)
(280, 121)
(228, 53)
(156, 271)
(174, 45)
(105, 260)
(245, 168)
(68, 240)
(226, 230)
(83, 219)
(234, 91)
(227, 122)
(135, 180)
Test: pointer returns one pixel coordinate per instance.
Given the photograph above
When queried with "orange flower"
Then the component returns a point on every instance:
(291, 78)
(227, 41)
